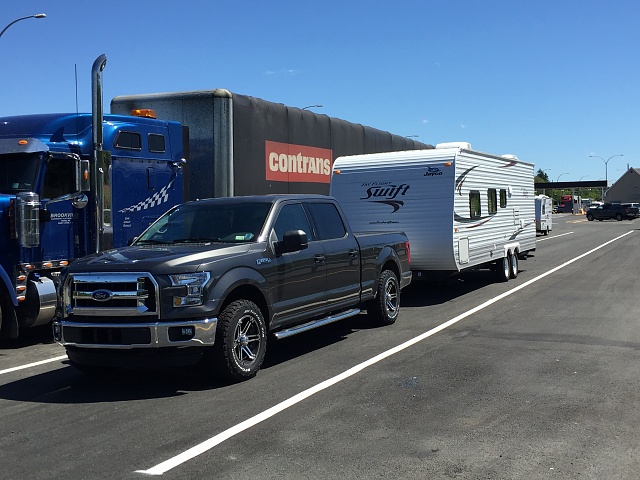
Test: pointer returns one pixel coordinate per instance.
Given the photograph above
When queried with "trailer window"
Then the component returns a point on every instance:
(503, 198)
(156, 143)
(475, 211)
(128, 140)
(492, 200)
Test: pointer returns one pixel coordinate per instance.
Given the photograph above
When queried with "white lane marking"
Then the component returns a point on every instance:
(555, 236)
(34, 364)
(183, 457)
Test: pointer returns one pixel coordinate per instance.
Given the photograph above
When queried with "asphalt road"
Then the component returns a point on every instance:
(534, 378)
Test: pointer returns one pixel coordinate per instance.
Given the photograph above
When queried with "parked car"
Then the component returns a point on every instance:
(608, 211)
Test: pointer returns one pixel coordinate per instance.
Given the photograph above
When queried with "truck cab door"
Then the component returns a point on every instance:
(342, 255)
(63, 235)
(297, 280)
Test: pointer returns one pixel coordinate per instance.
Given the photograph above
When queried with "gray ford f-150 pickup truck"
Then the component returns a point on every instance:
(211, 280)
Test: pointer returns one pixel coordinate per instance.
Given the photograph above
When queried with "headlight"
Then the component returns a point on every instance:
(194, 283)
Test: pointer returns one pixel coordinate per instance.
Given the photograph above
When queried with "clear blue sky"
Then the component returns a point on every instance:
(551, 81)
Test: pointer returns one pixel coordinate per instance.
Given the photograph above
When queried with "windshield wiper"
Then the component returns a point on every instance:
(150, 242)
(197, 240)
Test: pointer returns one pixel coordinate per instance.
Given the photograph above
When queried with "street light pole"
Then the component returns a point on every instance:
(312, 106)
(606, 163)
(37, 15)
(579, 187)
(557, 180)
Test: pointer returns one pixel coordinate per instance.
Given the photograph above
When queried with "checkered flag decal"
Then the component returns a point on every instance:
(161, 196)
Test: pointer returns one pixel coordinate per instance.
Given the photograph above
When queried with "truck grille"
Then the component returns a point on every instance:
(105, 294)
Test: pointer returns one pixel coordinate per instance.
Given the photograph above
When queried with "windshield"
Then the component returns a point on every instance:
(18, 172)
(207, 222)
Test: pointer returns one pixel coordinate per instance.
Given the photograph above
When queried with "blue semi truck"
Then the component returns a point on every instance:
(61, 195)
(76, 184)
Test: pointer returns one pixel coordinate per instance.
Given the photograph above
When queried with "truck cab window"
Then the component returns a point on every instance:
(58, 178)
(128, 140)
(327, 220)
(156, 143)
(292, 217)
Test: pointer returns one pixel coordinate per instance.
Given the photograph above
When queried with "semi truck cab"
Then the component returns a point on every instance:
(60, 199)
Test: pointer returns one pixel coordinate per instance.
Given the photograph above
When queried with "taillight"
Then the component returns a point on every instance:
(408, 249)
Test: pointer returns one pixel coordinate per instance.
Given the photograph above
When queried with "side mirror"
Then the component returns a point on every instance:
(80, 200)
(292, 241)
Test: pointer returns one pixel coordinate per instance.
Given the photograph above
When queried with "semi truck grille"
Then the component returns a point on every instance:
(132, 294)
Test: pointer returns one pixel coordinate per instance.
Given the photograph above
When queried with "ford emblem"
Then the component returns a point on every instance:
(102, 295)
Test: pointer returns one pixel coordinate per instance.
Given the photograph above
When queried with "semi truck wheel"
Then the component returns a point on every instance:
(241, 341)
(384, 309)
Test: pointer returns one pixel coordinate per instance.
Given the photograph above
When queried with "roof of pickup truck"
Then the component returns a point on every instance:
(266, 198)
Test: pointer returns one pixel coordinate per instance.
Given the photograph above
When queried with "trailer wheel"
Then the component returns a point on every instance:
(513, 265)
(241, 341)
(503, 269)
(384, 309)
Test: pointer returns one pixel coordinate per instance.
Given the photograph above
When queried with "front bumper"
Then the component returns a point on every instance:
(195, 333)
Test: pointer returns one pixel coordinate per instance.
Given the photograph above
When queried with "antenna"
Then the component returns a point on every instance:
(75, 67)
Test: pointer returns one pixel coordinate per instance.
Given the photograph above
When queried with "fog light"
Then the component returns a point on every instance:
(181, 334)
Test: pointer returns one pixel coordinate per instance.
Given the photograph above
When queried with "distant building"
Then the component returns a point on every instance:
(626, 188)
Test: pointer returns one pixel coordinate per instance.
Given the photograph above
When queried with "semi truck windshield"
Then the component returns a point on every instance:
(18, 172)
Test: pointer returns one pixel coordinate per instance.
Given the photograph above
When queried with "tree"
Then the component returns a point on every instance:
(541, 176)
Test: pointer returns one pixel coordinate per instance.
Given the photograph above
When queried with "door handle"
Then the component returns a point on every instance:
(353, 253)
(318, 259)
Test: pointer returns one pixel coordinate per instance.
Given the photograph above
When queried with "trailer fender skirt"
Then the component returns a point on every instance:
(511, 247)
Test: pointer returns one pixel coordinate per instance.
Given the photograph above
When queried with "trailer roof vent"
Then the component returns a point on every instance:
(144, 112)
(510, 156)
(462, 145)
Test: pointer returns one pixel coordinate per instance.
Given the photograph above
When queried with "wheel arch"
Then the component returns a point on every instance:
(242, 283)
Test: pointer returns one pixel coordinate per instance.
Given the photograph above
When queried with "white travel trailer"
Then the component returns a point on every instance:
(544, 208)
(461, 209)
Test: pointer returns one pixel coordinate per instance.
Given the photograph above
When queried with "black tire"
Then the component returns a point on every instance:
(503, 269)
(619, 217)
(513, 265)
(384, 309)
(590, 217)
(241, 341)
